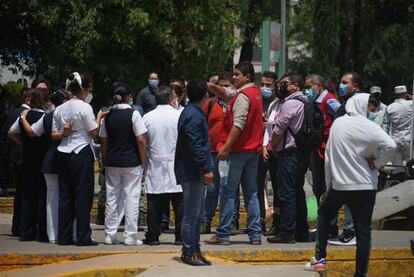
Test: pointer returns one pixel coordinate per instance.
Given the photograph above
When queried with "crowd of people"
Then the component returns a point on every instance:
(175, 138)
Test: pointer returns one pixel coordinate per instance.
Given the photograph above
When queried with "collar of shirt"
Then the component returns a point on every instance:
(122, 106)
(38, 110)
(165, 106)
(245, 86)
(321, 96)
(26, 106)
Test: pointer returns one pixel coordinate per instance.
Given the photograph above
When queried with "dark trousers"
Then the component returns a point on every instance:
(17, 201)
(273, 165)
(165, 211)
(154, 215)
(319, 186)
(76, 188)
(361, 204)
(33, 202)
(262, 167)
(290, 177)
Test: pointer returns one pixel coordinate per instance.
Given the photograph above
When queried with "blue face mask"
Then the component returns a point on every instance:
(342, 89)
(372, 116)
(153, 83)
(310, 95)
(266, 92)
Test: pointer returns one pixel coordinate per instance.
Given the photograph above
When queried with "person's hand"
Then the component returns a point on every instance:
(265, 153)
(24, 114)
(67, 129)
(208, 178)
(371, 163)
(102, 114)
(222, 154)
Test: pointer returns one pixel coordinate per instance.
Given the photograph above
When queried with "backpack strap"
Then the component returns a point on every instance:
(213, 101)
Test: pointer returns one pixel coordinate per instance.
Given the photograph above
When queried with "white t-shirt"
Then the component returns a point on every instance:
(137, 122)
(81, 115)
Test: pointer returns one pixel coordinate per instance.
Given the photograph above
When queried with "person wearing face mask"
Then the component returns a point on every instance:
(124, 156)
(378, 115)
(350, 85)
(266, 88)
(146, 97)
(292, 161)
(397, 123)
(214, 110)
(160, 182)
(74, 125)
(353, 138)
(328, 105)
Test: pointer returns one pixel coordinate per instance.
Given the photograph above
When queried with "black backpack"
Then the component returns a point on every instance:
(309, 136)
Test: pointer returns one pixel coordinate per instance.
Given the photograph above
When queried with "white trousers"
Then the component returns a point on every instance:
(123, 188)
(52, 208)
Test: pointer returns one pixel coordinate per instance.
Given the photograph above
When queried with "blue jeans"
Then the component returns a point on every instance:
(193, 198)
(242, 169)
(348, 222)
(213, 191)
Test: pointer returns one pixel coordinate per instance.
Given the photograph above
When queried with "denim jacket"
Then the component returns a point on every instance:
(192, 154)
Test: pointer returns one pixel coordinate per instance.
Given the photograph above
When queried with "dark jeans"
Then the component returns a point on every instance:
(76, 188)
(290, 180)
(154, 213)
(273, 165)
(262, 167)
(193, 198)
(361, 203)
(33, 202)
(319, 186)
(17, 201)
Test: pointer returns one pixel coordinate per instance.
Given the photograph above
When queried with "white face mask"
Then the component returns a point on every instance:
(88, 98)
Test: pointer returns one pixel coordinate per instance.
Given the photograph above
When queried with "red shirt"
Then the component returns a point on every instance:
(215, 121)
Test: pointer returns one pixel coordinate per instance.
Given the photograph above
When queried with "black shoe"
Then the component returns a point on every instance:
(87, 243)
(282, 238)
(201, 258)
(42, 239)
(272, 231)
(141, 229)
(3, 192)
(63, 243)
(191, 260)
(151, 242)
(28, 238)
(304, 238)
(205, 228)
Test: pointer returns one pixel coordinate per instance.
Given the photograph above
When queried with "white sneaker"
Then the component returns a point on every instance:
(109, 240)
(129, 242)
(315, 265)
(351, 242)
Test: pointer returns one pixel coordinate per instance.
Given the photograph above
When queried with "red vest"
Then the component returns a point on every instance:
(327, 123)
(251, 137)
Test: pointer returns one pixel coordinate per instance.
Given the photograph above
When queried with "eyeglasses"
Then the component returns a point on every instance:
(286, 83)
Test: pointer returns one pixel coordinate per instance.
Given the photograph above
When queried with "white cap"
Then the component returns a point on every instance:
(375, 89)
(400, 89)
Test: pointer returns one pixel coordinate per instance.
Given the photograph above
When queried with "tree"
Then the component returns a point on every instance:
(118, 39)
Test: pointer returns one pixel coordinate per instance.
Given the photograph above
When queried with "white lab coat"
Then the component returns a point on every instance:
(397, 123)
(161, 124)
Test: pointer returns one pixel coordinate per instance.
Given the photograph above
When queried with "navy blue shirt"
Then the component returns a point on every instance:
(192, 155)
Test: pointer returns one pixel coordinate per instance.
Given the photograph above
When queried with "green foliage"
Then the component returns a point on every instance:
(14, 90)
(373, 38)
(119, 39)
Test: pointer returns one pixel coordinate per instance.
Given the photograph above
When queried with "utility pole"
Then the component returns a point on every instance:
(282, 60)
(412, 125)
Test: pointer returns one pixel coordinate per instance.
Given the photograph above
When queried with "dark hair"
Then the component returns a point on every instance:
(296, 79)
(270, 74)
(60, 96)
(37, 98)
(152, 72)
(196, 90)
(373, 100)
(74, 87)
(39, 81)
(163, 95)
(25, 93)
(356, 78)
(316, 79)
(179, 81)
(246, 68)
(120, 91)
(228, 76)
